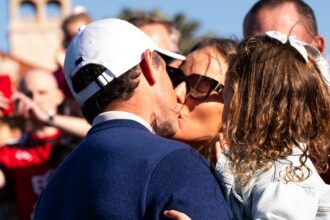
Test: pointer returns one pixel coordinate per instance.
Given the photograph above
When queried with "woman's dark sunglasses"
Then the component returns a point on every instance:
(198, 86)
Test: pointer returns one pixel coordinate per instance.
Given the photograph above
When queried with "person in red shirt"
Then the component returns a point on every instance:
(10, 132)
(26, 163)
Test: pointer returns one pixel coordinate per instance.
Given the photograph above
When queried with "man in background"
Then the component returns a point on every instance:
(160, 30)
(291, 17)
(26, 162)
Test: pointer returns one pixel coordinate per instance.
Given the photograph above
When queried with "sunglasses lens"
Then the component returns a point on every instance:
(175, 75)
(199, 86)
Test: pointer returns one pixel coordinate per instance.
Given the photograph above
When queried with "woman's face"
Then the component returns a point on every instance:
(200, 120)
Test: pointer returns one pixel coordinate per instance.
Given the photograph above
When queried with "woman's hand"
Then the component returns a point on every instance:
(172, 214)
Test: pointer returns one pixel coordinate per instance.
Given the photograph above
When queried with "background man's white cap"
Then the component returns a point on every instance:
(113, 43)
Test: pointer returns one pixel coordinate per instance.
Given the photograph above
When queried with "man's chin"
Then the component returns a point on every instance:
(166, 130)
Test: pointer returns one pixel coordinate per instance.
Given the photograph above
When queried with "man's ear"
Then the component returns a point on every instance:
(147, 67)
(319, 43)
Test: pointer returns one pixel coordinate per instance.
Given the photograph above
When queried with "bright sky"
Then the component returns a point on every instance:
(223, 18)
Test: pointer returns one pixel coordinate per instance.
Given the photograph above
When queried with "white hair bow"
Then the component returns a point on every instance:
(294, 42)
(304, 48)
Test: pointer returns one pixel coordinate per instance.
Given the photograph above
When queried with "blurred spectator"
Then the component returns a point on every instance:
(6, 106)
(26, 163)
(160, 30)
(35, 107)
(9, 125)
(10, 131)
(292, 17)
(3, 103)
(70, 27)
(71, 24)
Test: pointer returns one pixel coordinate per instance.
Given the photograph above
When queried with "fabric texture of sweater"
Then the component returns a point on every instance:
(123, 171)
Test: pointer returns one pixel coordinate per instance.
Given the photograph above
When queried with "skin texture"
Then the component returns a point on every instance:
(42, 88)
(173, 214)
(282, 18)
(154, 99)
(40, 97)
(204, 116)
(166, 104)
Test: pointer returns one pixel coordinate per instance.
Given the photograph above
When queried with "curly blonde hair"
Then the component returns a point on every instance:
(280, 100)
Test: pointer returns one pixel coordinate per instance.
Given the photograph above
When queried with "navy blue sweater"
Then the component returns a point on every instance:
(123, 171)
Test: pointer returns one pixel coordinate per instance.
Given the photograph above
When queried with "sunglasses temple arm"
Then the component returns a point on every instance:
(218, 88)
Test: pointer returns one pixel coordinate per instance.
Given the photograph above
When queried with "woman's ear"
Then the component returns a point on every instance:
(147, 67)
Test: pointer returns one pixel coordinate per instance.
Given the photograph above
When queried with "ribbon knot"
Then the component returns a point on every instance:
(294, 42)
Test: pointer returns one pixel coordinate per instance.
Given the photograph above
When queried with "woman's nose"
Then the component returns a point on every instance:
(181, 91)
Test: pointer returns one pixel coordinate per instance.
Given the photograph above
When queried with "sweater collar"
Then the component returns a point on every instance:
(112, 115)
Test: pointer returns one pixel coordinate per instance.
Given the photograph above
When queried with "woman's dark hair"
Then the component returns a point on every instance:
(280, 102)
(227, 48)
(224, 46)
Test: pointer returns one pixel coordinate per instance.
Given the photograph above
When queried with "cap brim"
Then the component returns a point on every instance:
(171, 54)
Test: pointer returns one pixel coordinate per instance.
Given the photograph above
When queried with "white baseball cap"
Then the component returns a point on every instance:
(116, 44)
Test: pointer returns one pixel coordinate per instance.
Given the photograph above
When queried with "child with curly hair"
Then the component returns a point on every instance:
(277, 127)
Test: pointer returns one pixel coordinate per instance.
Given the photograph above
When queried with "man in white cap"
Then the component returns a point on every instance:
(122, 169)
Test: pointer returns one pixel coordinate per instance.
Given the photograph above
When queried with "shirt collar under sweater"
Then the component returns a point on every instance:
(112, 115)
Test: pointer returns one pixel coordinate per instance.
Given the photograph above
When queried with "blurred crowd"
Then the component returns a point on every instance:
(41, 123)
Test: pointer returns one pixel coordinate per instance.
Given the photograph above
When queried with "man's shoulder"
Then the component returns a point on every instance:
(184, 156)
(184, 175)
